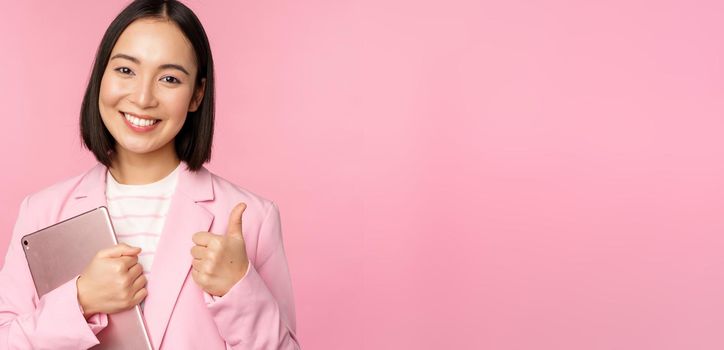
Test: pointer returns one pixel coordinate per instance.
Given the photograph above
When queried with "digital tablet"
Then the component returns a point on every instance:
(60, 252)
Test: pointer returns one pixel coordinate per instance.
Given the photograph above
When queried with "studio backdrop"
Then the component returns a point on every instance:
(450, 174)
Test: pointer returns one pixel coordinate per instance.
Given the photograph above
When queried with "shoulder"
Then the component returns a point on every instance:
(60, 191)
(47, 202)
(228, 194)
(227, 190)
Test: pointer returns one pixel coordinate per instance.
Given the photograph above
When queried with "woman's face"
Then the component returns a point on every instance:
(148, 87)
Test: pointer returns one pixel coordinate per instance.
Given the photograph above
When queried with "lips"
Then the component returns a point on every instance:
(139, 123)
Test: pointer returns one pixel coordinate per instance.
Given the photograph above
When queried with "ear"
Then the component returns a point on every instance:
(198, 96)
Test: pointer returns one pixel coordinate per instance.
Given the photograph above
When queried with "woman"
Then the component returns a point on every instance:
(205, 277)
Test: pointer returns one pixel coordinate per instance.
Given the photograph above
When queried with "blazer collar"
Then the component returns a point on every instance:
(195, 185)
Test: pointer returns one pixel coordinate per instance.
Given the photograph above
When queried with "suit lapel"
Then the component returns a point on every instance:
(89, 194)
(172, 261)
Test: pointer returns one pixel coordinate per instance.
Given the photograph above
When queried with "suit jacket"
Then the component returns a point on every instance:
(256, 313)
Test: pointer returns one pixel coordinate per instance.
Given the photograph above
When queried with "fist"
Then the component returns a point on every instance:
(219, 261)
(112, 282)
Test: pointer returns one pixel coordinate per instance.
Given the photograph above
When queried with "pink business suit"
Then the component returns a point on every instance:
(257, 313)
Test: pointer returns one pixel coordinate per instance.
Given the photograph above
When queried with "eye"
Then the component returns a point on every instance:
(123, 70)
(170, 79)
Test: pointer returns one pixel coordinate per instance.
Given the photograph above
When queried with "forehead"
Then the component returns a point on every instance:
(154, 42)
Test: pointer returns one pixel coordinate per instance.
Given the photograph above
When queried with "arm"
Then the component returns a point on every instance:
(258, 311)
(55, 321)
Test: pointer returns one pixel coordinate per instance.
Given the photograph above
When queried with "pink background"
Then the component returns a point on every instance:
(451, 175)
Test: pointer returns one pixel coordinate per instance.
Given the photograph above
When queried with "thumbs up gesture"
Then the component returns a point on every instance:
(220, 260)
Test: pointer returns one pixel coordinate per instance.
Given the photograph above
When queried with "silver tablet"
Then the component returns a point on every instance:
(60, 252)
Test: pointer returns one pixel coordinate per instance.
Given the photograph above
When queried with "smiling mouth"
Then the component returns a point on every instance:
(139, 122)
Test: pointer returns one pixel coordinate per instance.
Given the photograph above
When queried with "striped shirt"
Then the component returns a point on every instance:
(138, 213)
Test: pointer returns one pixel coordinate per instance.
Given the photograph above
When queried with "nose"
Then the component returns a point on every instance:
(143, 94)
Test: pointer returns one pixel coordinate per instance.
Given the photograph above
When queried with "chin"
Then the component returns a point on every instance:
(137, 149)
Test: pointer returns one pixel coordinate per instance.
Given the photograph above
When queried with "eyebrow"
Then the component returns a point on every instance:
(163, 66)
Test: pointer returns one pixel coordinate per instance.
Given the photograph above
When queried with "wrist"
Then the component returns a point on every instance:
(82, 305)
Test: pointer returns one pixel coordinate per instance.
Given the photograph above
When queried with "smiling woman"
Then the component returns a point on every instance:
(146, 93)
(203, 277)
(152, 66)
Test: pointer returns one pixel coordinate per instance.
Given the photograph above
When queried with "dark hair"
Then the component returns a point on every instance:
(193, 142)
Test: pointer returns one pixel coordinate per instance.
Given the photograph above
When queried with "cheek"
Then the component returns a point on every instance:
(109, 94)
(177, 104)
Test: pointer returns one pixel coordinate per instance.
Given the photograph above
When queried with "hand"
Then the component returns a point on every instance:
(112, 282)
(220, 260)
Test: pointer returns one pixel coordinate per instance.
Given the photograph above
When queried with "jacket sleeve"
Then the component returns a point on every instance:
(258, 311)
(55, 320)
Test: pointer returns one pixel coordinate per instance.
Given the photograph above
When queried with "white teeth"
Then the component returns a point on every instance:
(138, 121)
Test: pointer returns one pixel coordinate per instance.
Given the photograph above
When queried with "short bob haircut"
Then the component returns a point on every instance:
(193, 142)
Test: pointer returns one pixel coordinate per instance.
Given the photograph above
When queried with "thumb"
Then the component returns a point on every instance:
(119, 250)
(234, 228)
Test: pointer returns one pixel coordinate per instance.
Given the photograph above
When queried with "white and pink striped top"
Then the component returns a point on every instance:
(138, 213)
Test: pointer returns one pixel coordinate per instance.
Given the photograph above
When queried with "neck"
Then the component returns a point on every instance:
(130, 168)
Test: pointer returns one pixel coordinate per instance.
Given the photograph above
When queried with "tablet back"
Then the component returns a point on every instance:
(60, 252)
